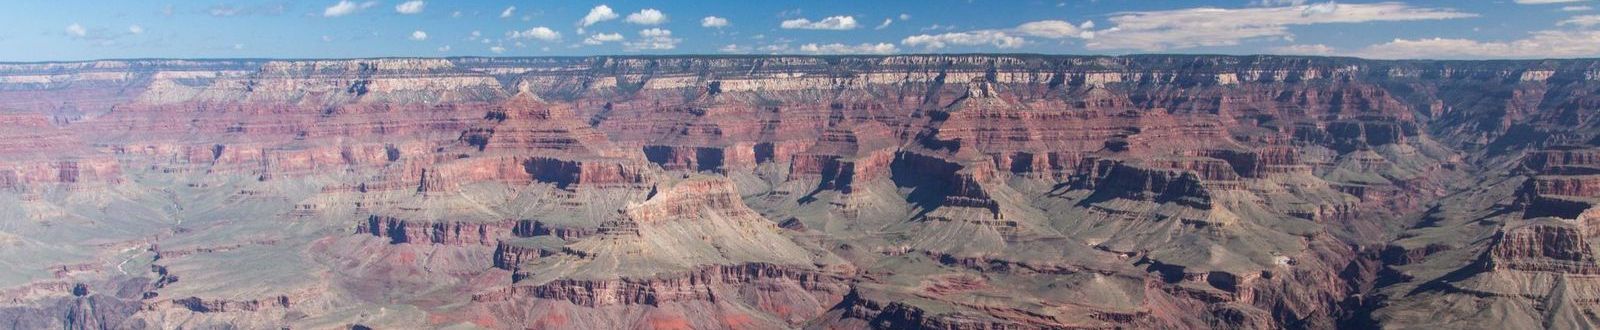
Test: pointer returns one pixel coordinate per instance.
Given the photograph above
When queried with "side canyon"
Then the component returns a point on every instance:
(817, 192)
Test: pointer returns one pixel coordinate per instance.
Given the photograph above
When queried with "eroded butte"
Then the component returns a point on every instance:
(753, 192)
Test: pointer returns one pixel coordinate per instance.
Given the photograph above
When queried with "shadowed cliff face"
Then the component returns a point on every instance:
(972, 191)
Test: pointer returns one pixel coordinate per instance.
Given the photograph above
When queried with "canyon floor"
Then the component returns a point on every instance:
(814, 192)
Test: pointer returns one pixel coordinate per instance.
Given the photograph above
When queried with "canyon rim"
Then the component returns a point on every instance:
(826, 192)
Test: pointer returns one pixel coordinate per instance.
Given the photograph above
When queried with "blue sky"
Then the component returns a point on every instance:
(37, 30)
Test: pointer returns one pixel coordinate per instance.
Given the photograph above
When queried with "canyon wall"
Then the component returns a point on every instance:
(921, 191)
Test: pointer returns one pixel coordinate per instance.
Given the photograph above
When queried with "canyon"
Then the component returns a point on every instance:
(788, 192)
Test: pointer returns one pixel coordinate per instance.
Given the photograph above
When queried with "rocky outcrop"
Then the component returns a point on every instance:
(1543, 247)
(223, 306)
(399, 231)
(1116, 179)
(704, 284)
(937, 191)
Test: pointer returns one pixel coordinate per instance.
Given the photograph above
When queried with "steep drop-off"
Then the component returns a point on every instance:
(757, 192)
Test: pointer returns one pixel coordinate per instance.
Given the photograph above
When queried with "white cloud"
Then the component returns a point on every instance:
(885, 24)
(1054, 29)
(838, 48)
(345, 7)
(238, 46)
(996, 38)
(1006, 38)
(598, 14)
(1582, 21)
(713, 22)
(508, 12)
(444, 48)
(1320, 9)
(77, 31)
(1274, 3)
(653, 39)
(830, 23)
(655, 32)
(135, 29)
(1577, 8)
(223, 11)
(1541, 2)
(327, 38)
(418, 35)
(497, 49)
(648, 16)
(734, 49)
(1203, 27)
(539, 33)
(905, 17)
(601, 38)
(1539, 44)
(263, 9)
(1314, 49)
(777, 48)
(410, 7)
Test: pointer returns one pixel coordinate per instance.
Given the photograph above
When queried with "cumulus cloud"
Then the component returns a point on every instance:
(537, 33)
(1581, 21)
(1003, 38)
(1274, 3)
(648, 16)
(1313, 49)
(508, 12)
(1203, 27)
(775, 48)
(653, 39)
(77, 31)
(1581, 39)
(1539, 44)
(904, 16)
(838, 48)
(885, 24)
(597, 14)
(346, 7)
(222, 11)
(713, 22)
(418, 35)
(497, 49)
(1054, 29)
(101, 36)
(444, 48)
(733, 49)
(410, 7)
(601, 38)
(996, 38)
(230, 10)
(830, 23)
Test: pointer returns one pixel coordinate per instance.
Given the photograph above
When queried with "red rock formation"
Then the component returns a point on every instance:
(434, 232)
(1543, 247)
(1118, 179)
(1142, 191)
(700, 285)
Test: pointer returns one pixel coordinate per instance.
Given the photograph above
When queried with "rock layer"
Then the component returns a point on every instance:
(923, 191)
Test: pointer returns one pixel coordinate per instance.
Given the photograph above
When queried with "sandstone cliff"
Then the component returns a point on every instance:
(935, 191)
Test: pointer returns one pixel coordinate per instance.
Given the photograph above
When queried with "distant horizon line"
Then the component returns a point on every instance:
(222, 59)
